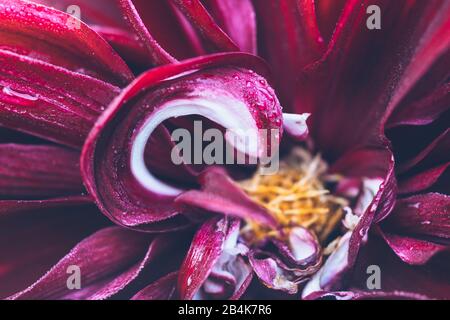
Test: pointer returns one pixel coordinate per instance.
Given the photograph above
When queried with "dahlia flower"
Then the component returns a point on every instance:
(89, 105)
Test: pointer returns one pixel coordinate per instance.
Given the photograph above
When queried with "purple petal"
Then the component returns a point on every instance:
(205, 251)
(38, 171)
(36, 234)
(162, 289)
(109, 252)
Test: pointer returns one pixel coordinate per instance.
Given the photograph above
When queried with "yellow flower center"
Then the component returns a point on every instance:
(296, 196)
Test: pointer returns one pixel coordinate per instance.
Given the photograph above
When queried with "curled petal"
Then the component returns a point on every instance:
(157, 54)
(295, 125)
(288, 264)
(113, 159)
(332, 272)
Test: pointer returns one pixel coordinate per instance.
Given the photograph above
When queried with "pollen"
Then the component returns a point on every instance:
(295, 196)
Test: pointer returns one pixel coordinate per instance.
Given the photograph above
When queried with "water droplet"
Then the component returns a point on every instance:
(22, 95)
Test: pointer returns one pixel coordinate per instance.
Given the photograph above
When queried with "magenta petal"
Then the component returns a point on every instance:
(221, 195)
(237, 18)
(427, 214)
(49, 101)
(197, 14)
(162, 289)
(106, 253)
(413, 251)
(38, 171)
(113, 163)
(205, 251)
(49, 35)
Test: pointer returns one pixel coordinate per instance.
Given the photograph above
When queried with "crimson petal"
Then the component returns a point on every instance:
(290, 40)
(49, 101)
(35, 27)
(200, 18)
(205, 251)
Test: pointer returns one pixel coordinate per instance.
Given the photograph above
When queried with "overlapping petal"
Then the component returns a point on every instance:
(113, 159)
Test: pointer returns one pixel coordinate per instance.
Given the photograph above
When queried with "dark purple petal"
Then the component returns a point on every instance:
(113, 165)
(36, 234)
(424, 111)
(38, 171)
(157, 54)
(162, 289)
(422, 180)
(290, 39)
(400, 60)
(109, 253)
(431, 280)
(434, 154)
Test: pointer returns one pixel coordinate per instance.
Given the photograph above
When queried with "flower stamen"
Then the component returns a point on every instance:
(296, 196)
